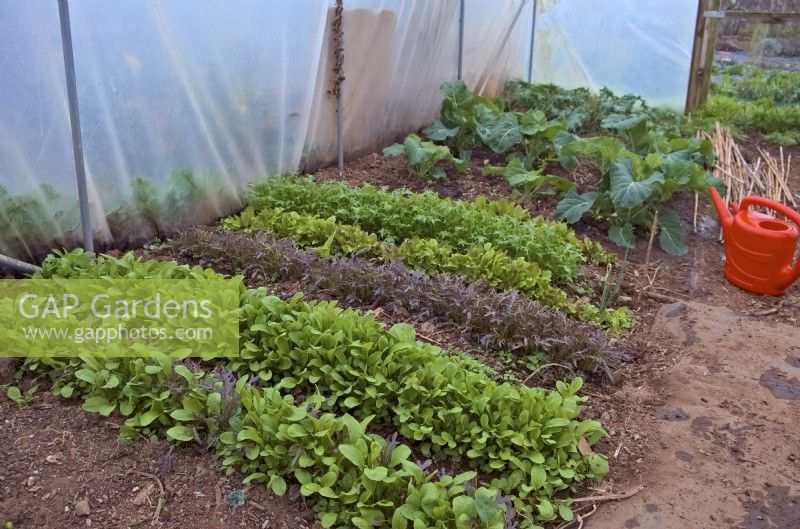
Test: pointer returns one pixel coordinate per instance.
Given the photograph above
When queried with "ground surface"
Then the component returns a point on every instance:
(55, 456)
(723, 448)
(733, 457)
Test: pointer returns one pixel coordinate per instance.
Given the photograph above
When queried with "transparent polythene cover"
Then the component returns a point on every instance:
(630, 46)
(183, 103)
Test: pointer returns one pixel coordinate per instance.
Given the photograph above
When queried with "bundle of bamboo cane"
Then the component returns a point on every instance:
(766, 175)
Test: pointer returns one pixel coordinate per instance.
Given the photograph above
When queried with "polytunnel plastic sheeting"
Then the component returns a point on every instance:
(221, 88)
(38, 197)
(630, 46)
(496, 43)
(397, 53)
(182, 102)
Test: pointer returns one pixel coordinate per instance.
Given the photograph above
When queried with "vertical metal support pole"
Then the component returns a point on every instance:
(533, 34)
(339, 135)
(75, 124)
(461, 39)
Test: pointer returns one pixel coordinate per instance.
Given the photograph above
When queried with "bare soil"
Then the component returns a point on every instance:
(722, 437)
(55, 456)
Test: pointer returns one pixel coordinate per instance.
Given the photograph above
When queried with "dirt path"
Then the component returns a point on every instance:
(726, 438)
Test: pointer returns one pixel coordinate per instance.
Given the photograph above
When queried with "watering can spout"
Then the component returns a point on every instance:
(725, 216)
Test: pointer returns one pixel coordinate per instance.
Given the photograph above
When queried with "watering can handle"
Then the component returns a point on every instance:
(777, 207)
(771, 204)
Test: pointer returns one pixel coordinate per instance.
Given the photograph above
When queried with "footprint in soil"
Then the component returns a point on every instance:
(632, 523)
(793, 361)
(733, 437)
(673, 415)
(770, 510)
(684, 456)
(678, 310)
(781, 386)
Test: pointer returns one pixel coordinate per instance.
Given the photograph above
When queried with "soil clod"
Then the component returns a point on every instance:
(82, 508)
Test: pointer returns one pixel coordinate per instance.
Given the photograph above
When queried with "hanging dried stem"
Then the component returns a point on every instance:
(337, 44)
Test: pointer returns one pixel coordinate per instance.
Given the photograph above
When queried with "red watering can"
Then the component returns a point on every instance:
(759, 248)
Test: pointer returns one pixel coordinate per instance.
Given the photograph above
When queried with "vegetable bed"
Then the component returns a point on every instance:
(311, 389)
(371, 423)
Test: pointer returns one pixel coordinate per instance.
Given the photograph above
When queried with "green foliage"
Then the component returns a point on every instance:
(22, 399)
(156, 396)
(500, 132)
(525, 440)
(327, 235)
(186, 190)
(355, 477)
(559, 103)
(80, 264)
(146, 202)
(500, 207)
(574, 205)
(31, 220)
(462, 111)
(495, 322)
(787, 138)
(531, 181)
(671, 233)
(747, 99)
(539, 136)
(530, 133)
(622, 235)
(400, 215)
(580, 109)
(357, 367)
(625, 191)
(423, 157)
(748, 116)
(747, 81)
(640, 175)
(468, 120)
(160, 208)
(483, 261)
(534, 132)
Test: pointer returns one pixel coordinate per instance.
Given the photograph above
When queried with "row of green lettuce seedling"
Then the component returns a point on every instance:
(395, 216)
(348, 363)
(353, 478)
(481, 261)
